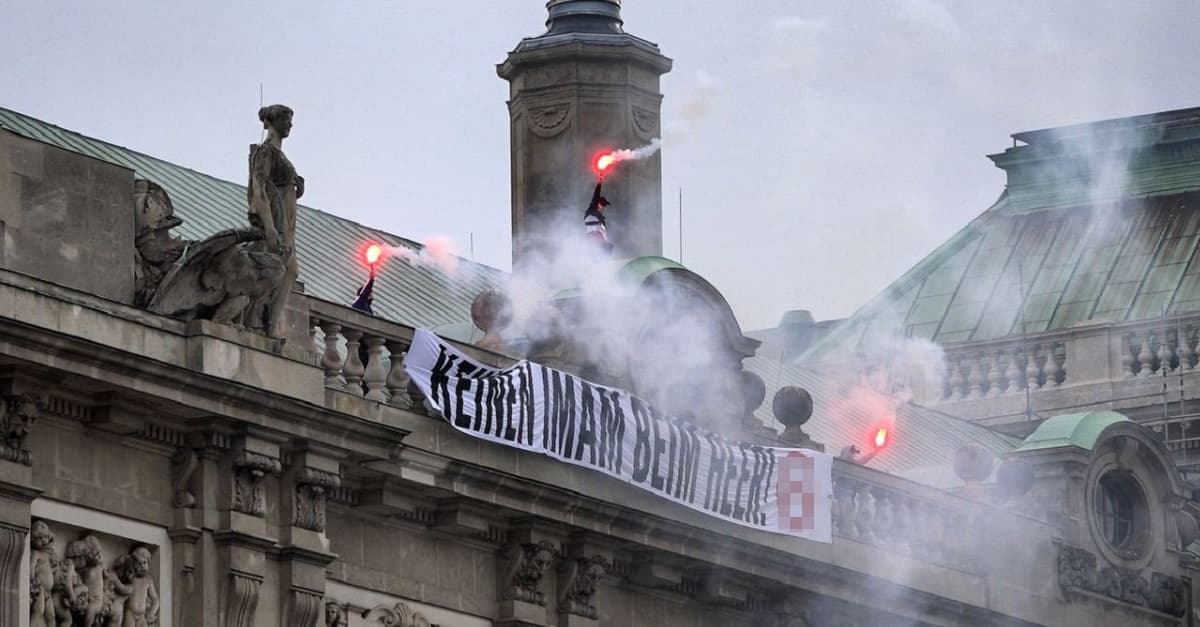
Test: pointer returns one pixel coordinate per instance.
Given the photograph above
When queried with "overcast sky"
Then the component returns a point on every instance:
(828, 146)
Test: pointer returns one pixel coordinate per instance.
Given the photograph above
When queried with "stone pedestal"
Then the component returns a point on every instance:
(521, 614)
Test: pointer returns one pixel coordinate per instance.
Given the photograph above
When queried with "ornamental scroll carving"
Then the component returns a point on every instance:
(398, 615)
(1077, 570)
(249, 472)
(18, 414)
(550, 120)
(578, 591)
(312, 493)
(80, 589)
(528, 564)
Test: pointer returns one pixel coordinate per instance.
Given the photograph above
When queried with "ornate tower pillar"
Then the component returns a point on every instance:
(583, 86)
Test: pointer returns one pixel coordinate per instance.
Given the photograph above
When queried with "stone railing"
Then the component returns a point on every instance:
(1160, 347)
(1010, 367)
(1090, 354)
(897, 515)
(363, 355)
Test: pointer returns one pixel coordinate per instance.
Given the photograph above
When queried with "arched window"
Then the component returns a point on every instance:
(1120, 510)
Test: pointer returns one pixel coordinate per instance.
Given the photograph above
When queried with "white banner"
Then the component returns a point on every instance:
(543, 410)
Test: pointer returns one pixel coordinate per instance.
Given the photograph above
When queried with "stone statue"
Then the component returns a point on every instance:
(43, 566)
(273, 191)
(70, 594)
(336, 615)
(84, 554)
(135, 599)
(157, 249)
(223, 278)
(582, 580)
(18, 413)
(529, 563)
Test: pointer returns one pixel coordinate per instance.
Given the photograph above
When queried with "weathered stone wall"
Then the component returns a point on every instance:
(66, 218)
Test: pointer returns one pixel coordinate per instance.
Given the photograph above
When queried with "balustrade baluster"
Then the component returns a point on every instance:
(397, 378)
(994, 374)
(1013, 372)
(331, 359)
(1033, 369)
(976, 377)
(901, 535)
(864, 521)
(1051, 367)
(374, 376)
(353, 369)
(1145, 357)
(846, 514)
(1165, 352)
(884, 527)
(1128, 360)
(1184, 348)
(956, 380)
(933, 532)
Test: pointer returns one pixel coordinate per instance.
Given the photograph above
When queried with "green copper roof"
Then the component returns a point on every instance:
(1069, 257)
(1078, 430)
(326, 244)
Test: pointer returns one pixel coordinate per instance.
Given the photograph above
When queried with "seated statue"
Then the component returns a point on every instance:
(225, 278)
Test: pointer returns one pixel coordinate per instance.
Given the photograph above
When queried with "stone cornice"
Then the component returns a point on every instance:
(203, 393)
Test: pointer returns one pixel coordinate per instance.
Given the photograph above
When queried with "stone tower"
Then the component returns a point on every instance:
(584, 86)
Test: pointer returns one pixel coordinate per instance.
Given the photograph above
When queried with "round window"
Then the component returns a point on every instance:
(1121, 513)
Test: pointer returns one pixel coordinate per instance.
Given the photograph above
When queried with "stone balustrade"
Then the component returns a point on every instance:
(363, 355)
(1164, 347)
(897, 515)
(1012, 367)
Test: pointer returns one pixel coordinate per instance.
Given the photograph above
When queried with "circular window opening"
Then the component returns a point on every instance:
(1121, 513)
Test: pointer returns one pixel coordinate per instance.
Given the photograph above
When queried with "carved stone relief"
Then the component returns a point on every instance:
(18, 414)
(578, 591)
(249, 471)
(1077, 570)
(550, 120)
(83, 588)
(398, 615)
(645, 122)
(304, 608)
(312, 492)
(528, 563)
(336, 614)
(243, 599)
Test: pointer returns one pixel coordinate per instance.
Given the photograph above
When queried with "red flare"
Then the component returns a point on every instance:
(603, 162)
(881, 437)
(373, 253)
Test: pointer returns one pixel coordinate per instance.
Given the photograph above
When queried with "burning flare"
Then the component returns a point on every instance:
(374, 252)
(881, 437)
(605, 160)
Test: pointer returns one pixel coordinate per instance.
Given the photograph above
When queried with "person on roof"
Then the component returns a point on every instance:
(594, 224)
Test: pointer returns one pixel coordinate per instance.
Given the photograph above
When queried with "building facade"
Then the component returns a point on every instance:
(175, 471)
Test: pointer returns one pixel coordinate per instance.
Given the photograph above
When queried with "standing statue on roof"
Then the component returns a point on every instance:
(594, 223)
(273, 191)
